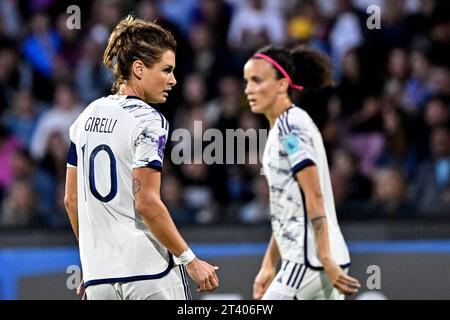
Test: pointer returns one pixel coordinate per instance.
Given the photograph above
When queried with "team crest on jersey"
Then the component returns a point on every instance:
(161, 145)
(291, 143)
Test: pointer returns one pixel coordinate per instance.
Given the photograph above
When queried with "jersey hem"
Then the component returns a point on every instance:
(133, 278)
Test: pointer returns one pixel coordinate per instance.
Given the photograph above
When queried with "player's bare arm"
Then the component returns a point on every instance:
(71, 203)
(308, 179)
(146, 187)
(268, 271)
(71, 198)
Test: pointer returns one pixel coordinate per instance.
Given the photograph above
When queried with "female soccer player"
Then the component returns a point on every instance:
(306, 235)
(129, 245)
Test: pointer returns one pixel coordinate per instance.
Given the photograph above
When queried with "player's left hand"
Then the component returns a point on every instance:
(344, 283)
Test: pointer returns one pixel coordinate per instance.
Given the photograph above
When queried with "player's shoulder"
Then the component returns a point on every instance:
(143, 112)
(294, 118)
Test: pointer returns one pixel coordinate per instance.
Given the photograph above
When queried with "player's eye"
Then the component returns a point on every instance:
(257, 80)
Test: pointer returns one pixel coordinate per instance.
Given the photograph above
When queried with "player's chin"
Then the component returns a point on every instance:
(255, 109)
(161, 99)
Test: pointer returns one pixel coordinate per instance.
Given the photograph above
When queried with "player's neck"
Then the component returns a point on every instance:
(127, 90)
(277, 109)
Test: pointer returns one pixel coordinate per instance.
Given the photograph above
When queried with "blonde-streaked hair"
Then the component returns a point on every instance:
(135, 39)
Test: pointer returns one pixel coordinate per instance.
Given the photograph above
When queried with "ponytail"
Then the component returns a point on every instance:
(313, 69)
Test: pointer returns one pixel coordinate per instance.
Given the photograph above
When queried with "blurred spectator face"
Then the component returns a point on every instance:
(231, 93)
(230, 87)
(65, 97)
(196, 172)
(350, 65)
(110, 12)
(210, 8)
(22, 197)
(21, 165)
(262, 188)
(389, 185)
(343, 6)
(148, 10)
(57, 146)
(420, 65)
(248, 121)
(441, 31)
(436, 112)
(398, 63)
(200, 37)
(344, 163)
(40, 24)
(393, 12)
(171, 191)
(391, 122)
(440, 142)
(440, 80)
(257, 4)
(194, 90)
(24, 104)
(62, 71)
(8, 60)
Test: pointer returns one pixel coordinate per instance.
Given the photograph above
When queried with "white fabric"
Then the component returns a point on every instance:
(172, 287)
(297, 282)
(114, 241)
(293, 142)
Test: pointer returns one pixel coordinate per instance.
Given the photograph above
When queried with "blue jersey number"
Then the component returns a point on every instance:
(112, 169)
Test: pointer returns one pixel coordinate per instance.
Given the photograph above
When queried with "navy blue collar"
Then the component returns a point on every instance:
(134, 97)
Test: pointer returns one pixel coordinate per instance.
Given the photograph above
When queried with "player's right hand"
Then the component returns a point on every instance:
(81, 291)
(262, 281)
(203, 274)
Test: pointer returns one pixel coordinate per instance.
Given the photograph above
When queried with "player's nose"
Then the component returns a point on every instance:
(172, 80)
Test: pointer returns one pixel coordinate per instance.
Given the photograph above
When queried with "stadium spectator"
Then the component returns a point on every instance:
(58, 118)
(432, 182)
(23, 117)
(255, 24)
(20, 209)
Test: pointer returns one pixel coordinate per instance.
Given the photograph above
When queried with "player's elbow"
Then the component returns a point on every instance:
(315, 197)
(149, 206)
(315, 202)
(70, 201)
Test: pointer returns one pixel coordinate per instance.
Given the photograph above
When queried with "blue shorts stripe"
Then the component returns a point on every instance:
(301, 278)
(294, 270)
(296, 276)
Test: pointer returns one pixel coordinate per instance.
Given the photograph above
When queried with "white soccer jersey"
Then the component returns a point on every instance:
(112, 136)
(294, 143)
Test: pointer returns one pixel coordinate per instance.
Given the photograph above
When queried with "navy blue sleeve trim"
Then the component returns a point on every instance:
(72, 158)
(302, 165)
(155, 164)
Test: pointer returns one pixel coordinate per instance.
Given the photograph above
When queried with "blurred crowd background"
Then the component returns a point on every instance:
(385, 124)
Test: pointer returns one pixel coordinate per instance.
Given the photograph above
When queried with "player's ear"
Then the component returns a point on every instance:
(138, 69)
(283, 85)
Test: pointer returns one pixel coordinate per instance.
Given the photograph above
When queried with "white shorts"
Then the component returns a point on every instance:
(174, 286)
(295, 281)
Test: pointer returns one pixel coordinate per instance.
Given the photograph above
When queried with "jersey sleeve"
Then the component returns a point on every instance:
(150, 137)
(72, 157)
(297, 142)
